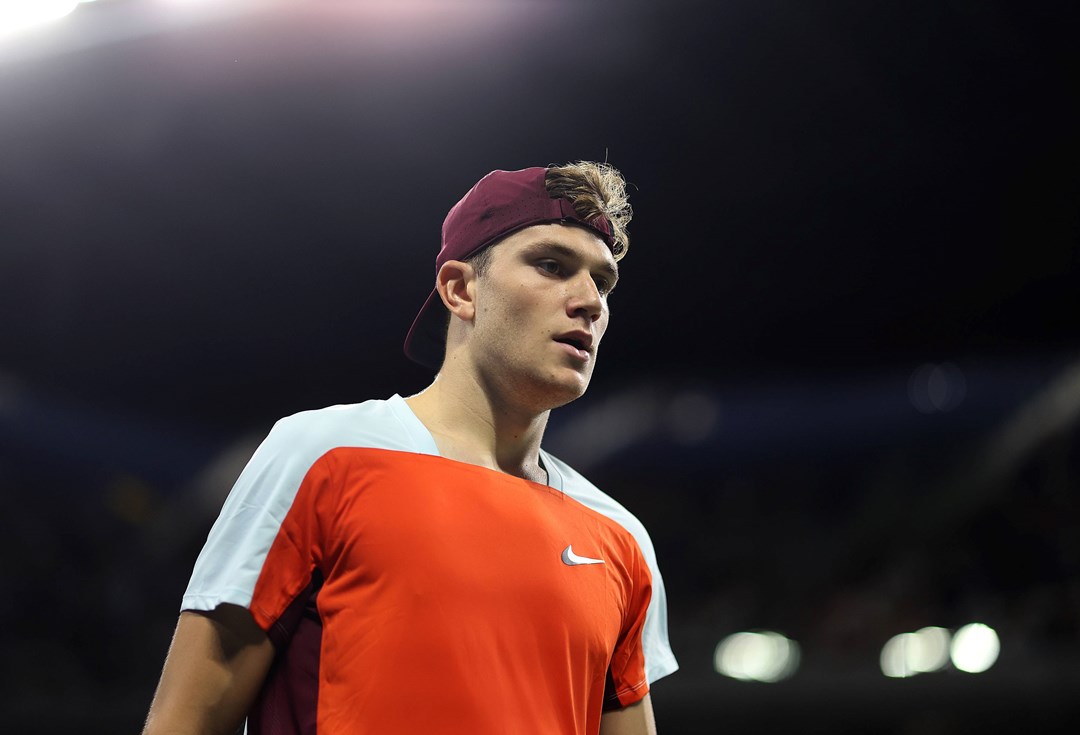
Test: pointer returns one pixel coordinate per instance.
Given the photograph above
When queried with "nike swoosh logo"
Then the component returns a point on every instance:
(571, 559)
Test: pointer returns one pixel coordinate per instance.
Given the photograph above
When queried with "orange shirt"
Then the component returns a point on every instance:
(409, 593)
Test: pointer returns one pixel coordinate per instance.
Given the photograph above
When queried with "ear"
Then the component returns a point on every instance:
(455, 284)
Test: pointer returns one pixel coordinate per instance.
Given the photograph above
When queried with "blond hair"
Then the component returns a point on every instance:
(595, 190)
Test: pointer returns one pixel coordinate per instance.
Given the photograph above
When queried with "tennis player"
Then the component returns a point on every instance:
(421, 564)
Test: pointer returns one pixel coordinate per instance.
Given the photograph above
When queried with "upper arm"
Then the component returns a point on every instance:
(635, 719)
(215, 667)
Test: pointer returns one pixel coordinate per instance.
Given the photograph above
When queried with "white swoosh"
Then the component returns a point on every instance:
(572, 559)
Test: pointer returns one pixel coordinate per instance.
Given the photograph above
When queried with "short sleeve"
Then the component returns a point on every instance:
(262, 548)
(627, 679)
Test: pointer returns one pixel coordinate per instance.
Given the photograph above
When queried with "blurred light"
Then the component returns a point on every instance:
(908, 654)
(16, 15)
(766, 657)
(933, 388)
(895, 661)
(975, 648)
(691, 416)
(928, 649)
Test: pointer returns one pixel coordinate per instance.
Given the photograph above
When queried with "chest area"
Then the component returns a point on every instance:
(419, 534)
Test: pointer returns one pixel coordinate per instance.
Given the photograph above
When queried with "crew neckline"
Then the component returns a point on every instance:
(424, 442)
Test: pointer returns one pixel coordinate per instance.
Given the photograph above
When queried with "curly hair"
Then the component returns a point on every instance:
(595, 190)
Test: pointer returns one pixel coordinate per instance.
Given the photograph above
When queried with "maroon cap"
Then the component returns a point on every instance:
(500, 204)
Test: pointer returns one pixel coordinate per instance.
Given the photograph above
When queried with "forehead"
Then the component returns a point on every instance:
(584, 243)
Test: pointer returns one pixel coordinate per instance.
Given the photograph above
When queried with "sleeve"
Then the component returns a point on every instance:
(659, 658)
(265, 544)
(627, 678)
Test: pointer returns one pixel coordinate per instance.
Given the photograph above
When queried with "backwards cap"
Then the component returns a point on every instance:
(498, 205)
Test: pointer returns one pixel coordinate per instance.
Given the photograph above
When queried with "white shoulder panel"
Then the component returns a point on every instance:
(231, 561)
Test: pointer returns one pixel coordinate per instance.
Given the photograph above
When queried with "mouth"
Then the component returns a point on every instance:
(579, 340)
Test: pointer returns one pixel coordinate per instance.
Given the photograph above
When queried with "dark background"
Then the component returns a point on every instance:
(841, 384)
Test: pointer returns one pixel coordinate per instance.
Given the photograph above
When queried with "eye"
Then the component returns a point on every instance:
(549, 266)
(604, 286)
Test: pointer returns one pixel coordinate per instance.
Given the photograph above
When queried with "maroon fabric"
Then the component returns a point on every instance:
(499, 204)
(288, 702)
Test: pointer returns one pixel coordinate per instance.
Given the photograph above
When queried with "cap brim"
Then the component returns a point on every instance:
(426, 340)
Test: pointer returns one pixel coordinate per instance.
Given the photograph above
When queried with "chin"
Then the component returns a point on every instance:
(562, 392)
(546, 392)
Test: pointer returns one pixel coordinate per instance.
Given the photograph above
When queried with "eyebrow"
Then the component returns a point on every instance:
(610, 269)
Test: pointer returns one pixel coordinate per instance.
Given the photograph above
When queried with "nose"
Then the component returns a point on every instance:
(585, 299)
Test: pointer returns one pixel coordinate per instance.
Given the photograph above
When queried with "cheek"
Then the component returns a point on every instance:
(510, 311)
(523, 303)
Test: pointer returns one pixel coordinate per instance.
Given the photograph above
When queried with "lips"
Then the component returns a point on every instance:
(579, 339)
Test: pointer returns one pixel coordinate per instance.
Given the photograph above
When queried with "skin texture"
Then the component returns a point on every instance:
(540, 282)
(215, 667)
(637, 719)
(504, 371)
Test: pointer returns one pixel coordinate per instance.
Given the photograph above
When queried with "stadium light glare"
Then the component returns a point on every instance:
(975, 648)
(18, 15)
(766, 656)
(928, 649)
(895, 662)
(920, 652)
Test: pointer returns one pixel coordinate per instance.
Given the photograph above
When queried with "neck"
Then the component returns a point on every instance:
(478, 426)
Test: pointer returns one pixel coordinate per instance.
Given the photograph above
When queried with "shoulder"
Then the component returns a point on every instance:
(377, 424)
(295, 443)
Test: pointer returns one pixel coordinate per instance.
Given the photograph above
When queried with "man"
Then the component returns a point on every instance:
(421, 565)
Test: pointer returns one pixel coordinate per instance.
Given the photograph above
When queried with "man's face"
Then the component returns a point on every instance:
(541, 310)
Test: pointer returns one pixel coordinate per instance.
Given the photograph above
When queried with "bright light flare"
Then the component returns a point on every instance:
(920, 652)
(765, 657)
(975, 648)
(929, 649)
(17, 15)
(895, 662)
